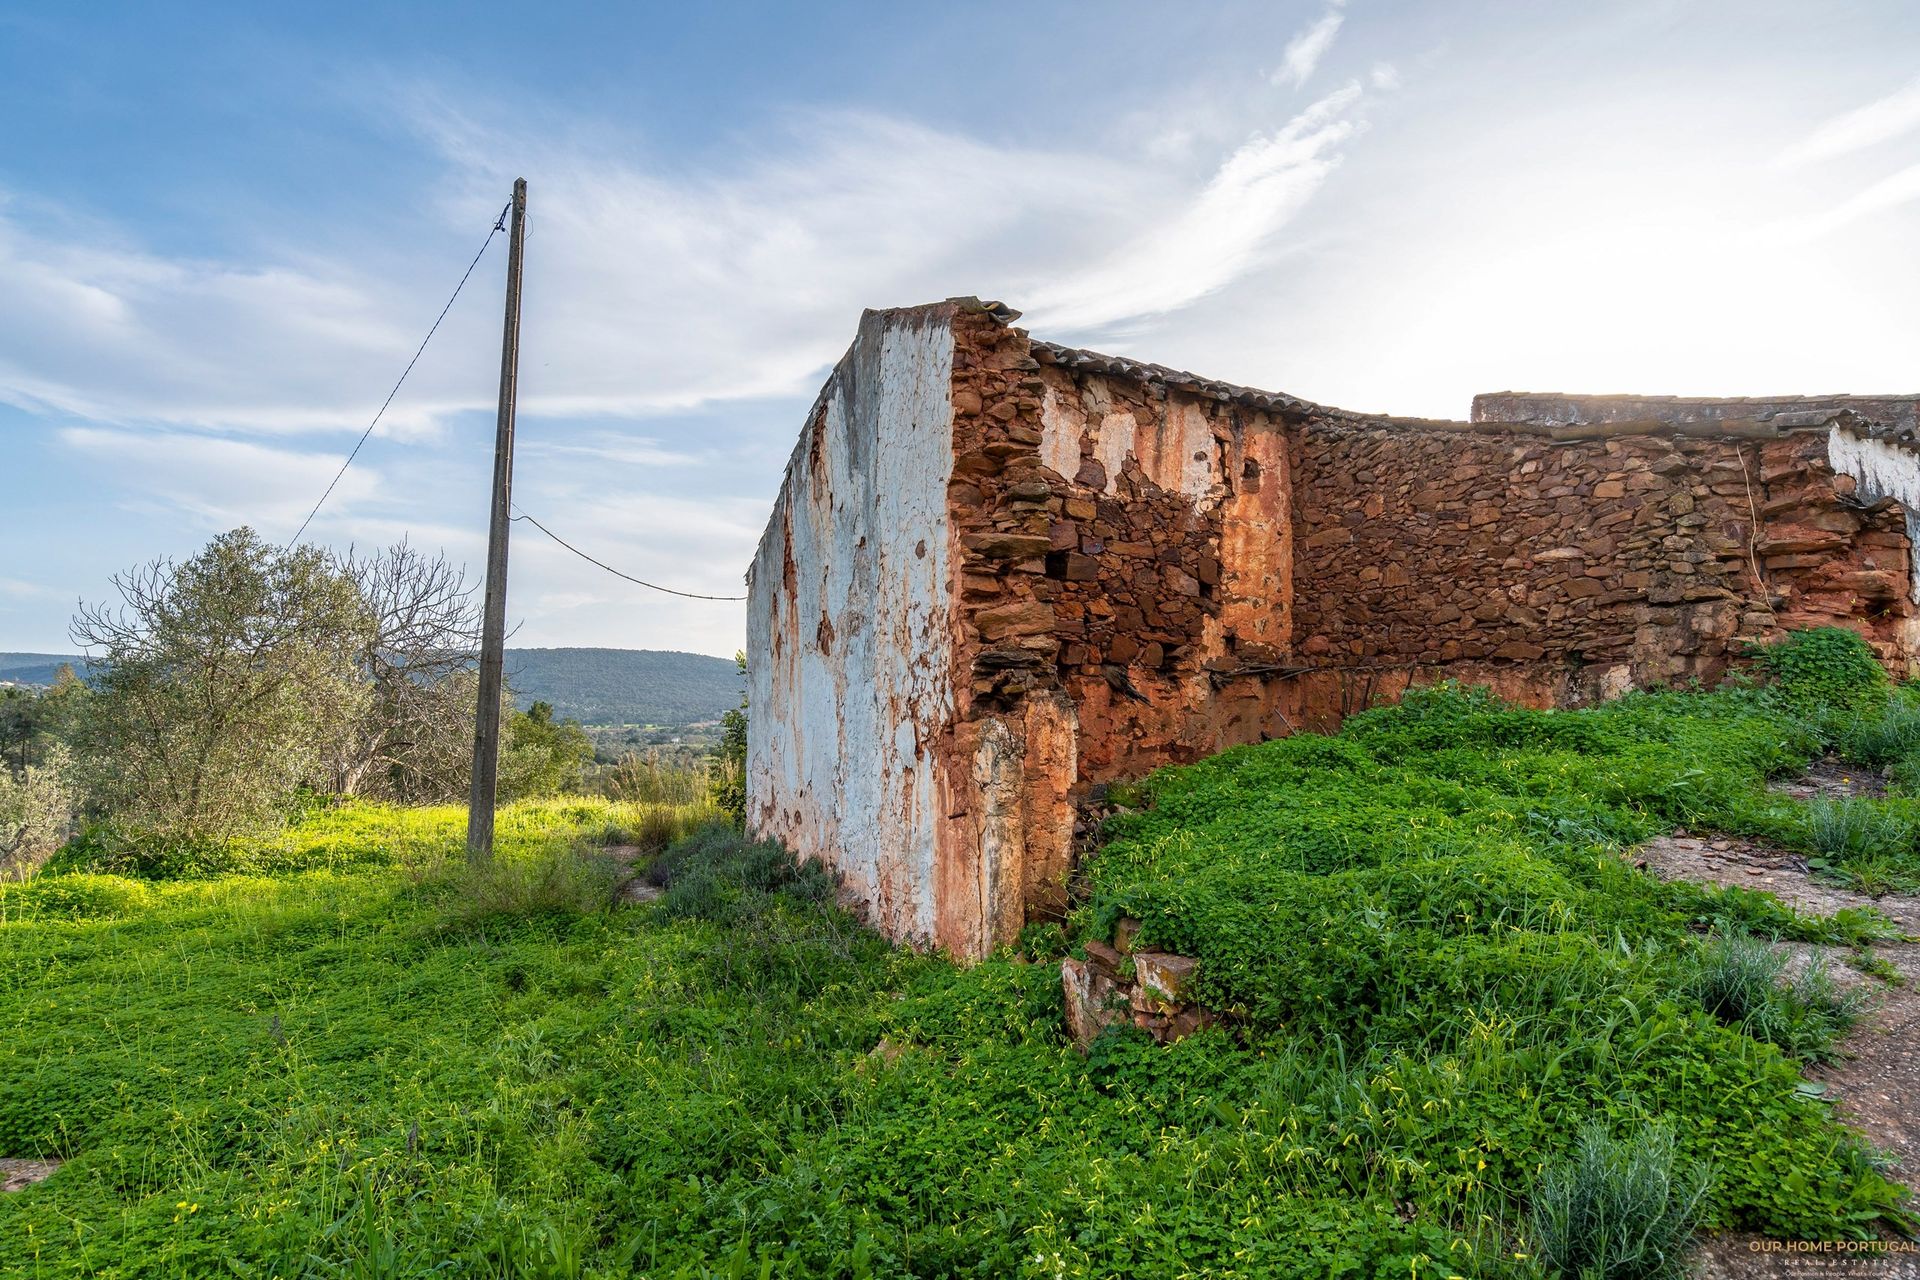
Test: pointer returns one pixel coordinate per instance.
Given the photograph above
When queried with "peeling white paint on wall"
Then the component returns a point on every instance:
(849, 625)
(1059, 436)
(1177, 451)
(1881, 469)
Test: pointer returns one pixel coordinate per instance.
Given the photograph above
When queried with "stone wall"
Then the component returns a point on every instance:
(1003, 574)
(1600, 563)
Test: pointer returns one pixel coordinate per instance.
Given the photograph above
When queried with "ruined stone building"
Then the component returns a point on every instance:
(1003, 573)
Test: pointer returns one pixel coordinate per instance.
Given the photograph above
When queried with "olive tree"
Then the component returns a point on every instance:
(413, 738)
(224, 685)
(36, 812)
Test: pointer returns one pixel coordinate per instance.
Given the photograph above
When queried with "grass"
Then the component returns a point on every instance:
(342, 1054)
(1742, 980)
(1618, 1209)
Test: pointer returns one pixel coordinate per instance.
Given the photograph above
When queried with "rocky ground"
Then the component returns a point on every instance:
(15, 1174)
(1875, 1082)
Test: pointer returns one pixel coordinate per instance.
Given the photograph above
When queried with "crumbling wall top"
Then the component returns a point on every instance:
(1551, 416)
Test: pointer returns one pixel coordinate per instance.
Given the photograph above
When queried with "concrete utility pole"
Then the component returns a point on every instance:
(493, 629)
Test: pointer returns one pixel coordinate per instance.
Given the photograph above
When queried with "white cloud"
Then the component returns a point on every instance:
(110, 333)
(1308, 47)
(648, 289)
(222, 482)
(1218, 236)
(19, 590)
(1879, 121)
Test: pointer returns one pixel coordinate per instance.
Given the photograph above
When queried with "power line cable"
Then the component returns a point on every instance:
(500, 224)
(652, 586)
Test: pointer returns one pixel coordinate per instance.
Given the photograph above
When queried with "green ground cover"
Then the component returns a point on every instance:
(342, 1055)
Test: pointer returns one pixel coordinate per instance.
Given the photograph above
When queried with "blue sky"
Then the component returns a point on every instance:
(223, 228)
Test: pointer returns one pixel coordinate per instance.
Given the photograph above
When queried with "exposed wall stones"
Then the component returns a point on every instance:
(1559, 409)
(1631, 560)
(1002, 574)
(1119, 986)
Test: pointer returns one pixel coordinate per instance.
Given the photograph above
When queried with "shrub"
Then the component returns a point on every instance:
(1823, 665)
(653, 827)
(1854, 827)
(36, 812)
(718, 874)
(1881, 737)
(1903, 775)
(1617, 1210)
(574, 879)
(1739, 980)
(1734, 976)
(654, 777)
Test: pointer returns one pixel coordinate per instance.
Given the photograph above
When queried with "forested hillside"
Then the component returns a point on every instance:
(625, 686)
(35, 668)
(593, 686)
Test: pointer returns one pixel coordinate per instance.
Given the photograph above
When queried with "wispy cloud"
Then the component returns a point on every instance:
(649, 290)
(17, 589)
(1308, 47)
(112, 333)
(1219, 235)
(1881, 120)
(619, 450)
(221, 481)
(1892, 192)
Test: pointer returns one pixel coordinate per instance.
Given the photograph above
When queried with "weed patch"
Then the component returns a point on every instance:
(1618, 1210)
(339, 1052)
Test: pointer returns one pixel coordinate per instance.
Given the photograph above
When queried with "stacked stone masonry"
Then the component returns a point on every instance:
(1060, 569)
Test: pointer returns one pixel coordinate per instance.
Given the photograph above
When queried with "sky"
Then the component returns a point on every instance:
(225, 228)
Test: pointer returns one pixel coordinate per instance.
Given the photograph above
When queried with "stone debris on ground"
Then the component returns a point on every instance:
(1833, 779)
(17, 1175)
(1116, 984)
(1874, 1082)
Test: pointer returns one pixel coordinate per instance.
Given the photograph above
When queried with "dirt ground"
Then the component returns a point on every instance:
(638, 888)
(1875, 1084)
(1830, 777)
(16, 1174)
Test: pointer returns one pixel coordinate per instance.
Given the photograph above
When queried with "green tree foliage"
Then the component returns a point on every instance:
(36, 811)
(227, 683)
(730, 769)
(33, 721)
(542, 756)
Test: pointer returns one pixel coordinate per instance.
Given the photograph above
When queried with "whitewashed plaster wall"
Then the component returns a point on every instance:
(850, 631)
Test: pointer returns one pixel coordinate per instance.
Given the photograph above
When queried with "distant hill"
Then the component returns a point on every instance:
(593, 686)
(36, 668)
(625, 686)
